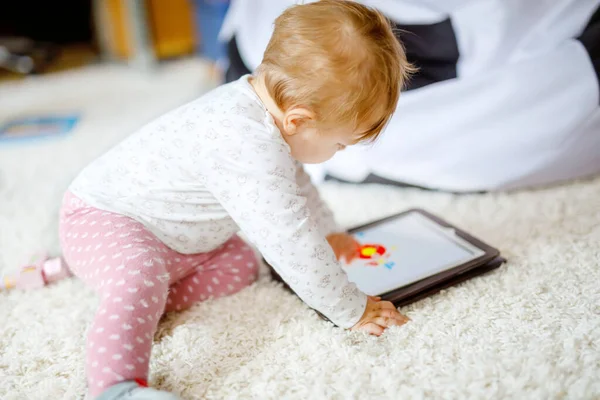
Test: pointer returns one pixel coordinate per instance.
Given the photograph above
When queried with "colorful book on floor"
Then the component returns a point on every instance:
(36, 127)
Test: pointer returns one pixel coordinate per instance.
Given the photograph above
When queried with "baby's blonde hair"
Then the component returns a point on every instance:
(340, 60)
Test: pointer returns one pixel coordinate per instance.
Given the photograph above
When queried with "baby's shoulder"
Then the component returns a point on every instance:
(234, 100)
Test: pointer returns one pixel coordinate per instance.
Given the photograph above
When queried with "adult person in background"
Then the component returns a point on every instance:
(507, 95)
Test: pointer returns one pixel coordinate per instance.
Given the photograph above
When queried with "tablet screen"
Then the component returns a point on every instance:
(405, 250)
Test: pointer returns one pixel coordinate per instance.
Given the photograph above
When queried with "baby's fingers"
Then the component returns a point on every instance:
(387, 321)
(372, 328)
(392, 314)
(348, 255)
(385, 305)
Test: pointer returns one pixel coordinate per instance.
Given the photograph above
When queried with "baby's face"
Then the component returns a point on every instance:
(313, 146)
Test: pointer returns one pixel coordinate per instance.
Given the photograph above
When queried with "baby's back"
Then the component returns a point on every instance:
(156, 175)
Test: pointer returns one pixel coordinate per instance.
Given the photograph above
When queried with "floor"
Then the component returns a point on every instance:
(529, 330)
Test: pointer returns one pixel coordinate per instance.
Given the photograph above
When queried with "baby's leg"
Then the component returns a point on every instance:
(126, 265)
(229, 270)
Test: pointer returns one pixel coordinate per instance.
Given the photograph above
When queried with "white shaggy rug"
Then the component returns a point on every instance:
(529, 330)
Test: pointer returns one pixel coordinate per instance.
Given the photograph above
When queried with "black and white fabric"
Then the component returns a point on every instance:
(507, 96)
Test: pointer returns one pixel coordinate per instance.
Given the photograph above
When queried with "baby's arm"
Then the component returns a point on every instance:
(261, 194)
(319, 209)
(343, 244)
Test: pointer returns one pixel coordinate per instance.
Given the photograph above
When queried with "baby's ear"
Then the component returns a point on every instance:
(297, 118)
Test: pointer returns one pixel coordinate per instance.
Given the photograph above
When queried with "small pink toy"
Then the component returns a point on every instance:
(40, 272)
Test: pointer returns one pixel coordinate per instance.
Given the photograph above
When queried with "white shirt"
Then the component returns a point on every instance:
(200, 173)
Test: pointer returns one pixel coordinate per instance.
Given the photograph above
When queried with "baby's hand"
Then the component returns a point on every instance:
(378, 316)
(344, 246)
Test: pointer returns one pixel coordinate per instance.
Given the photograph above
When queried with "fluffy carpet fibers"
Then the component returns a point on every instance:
(529, 330)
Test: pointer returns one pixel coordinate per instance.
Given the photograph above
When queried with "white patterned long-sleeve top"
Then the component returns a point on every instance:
(197, 175)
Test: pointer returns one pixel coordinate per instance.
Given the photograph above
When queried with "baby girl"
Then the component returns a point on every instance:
(152, 224)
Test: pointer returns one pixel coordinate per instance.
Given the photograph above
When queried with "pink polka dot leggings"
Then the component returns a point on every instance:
(138, 278)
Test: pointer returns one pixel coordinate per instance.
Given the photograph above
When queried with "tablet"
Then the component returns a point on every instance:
(414, 254)
(405, 249)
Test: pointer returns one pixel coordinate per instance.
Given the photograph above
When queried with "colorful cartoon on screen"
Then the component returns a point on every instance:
(376, 253)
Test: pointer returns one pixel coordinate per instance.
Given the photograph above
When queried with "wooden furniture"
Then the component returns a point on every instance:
(142, 31)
